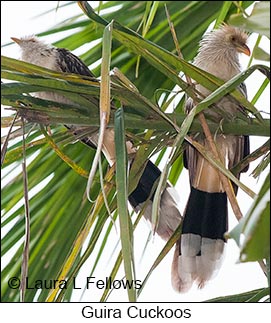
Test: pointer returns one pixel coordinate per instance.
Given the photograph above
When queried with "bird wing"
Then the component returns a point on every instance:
(70, 63)
(240, 146)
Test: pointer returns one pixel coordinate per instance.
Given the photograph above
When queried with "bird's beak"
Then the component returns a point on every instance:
(244, 49)
(16, 40)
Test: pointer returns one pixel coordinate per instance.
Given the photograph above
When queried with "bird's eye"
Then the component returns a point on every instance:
(233, 38)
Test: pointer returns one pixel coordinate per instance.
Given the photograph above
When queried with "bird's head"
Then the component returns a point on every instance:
(235, 39)
(32, 48)
(225, 42)
(27, 42)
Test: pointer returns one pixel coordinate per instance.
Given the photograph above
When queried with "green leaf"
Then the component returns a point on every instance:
(258, 21)
(223, 13)
(261, 55)
(251, 296)
(126, 231)
(254, 228)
